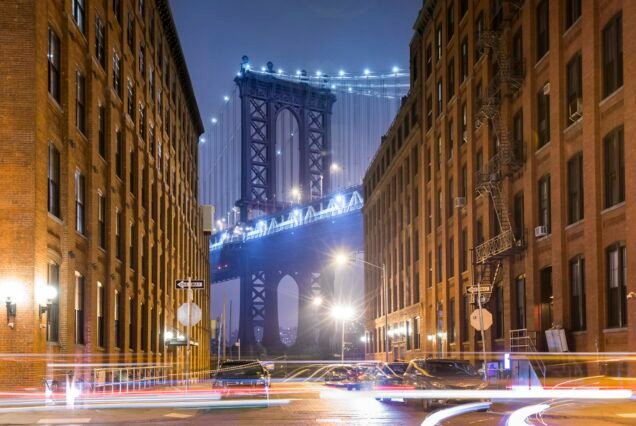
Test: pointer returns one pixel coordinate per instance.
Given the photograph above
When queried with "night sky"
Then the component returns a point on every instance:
(326, 35)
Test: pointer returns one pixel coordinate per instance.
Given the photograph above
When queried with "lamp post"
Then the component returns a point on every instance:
(344, 258)
(342, 313)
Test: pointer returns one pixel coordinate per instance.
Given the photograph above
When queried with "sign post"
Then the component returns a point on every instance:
(189, 285)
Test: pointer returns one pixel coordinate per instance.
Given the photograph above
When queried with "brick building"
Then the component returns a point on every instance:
(525, 100)
(98, 203)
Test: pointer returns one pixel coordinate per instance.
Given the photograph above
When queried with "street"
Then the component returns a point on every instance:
(295, 403)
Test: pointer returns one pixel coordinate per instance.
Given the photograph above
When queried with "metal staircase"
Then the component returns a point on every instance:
(488, 256)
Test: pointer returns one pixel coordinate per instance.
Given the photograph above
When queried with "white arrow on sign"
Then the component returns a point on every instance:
(183, 284)
(476, 323)
(195, 315)
(482, 289)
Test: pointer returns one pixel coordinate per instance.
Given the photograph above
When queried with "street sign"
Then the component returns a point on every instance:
(183, 284)
(195, 315)
(476, 323)
(482, 289)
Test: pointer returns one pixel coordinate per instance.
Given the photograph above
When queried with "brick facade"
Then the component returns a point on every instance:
(156, 189)
(405, 229)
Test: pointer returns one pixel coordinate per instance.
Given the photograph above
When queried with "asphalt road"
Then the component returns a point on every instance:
(295, 404)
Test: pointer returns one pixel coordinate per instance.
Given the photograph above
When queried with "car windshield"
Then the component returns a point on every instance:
(447, 368)
(398, 368)
(228, 370)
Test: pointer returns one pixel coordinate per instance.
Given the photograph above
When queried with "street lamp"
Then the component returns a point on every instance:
(316, 301)
(343, 258)
(342, 313)
(295, 192)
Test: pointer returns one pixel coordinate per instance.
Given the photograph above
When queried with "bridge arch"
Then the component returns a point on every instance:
(288, 296)
(287, 156)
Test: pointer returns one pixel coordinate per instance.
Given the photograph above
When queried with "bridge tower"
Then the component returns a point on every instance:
(263, 97)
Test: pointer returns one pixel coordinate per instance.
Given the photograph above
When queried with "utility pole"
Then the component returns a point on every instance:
(386, 313)
(229, 343)
(224, 324)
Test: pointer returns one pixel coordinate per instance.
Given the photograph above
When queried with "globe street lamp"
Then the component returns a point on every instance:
(343, 258)
(342, 313)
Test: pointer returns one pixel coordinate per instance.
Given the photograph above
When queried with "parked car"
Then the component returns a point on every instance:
(442, 374)
(241, 377)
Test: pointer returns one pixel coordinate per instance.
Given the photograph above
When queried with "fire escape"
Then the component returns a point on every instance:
(506, 81)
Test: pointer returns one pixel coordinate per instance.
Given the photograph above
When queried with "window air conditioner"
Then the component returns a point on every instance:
(541, 231)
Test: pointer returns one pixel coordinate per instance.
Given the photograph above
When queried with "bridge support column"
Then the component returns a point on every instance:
(271, 334)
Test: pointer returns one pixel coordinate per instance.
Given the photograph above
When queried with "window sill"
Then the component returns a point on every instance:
(612, 208)
(542, 61)
(578, 332)
(615, 330)
(609, 98)
(540, 150)
(55, 218)
(574, 224)
(53, 344)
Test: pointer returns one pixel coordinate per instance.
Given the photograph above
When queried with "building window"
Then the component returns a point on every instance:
(466, 319)
(450, 79)
(428, 66)
(118, 236)
(575, 188)
(117, 314)
(451, 258)
(416, 333)
(131, 32)
(616, 264)
(463, 65)
(440, 97)
(132, 335)
(451, 139)
(119, 157)
(440, 255)
(117, 9)
(464, 129)
(614, 167)
(101, 321)
(100, 43)
(520, 299)
(463, 183)
(517, 135)
(574, 89)
(429, 265)
(450, 22)
(438, 41)
(132, 175)
(479, 29)
(517, 54)
(54, 65)
(546, 297)
(132, 245)
(544, 202)
(612, 55)
(142, 121)
(142, 59)
(143, 327)
(543, 34)
(142, 9)
(463, 251)
(499, 312)
(451, 321)
(78, 14)
(101, 220)
(543, 116)
(101, 131)
(463, 8)
(438, 208)
(117, 74)
(54, 181)
(80, 102)
(79, 309)
(429, 112)
(80, 194)
(131, 100)
(450, 198)
(53, 311)
(577, 293)
(518, 219)
(572, 12)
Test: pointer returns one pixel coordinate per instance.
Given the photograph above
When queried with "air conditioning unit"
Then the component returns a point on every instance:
(460, 202)
(575, 110)
(541, 231)
(546, 89)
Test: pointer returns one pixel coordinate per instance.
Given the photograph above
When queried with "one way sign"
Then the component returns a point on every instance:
(183, 284)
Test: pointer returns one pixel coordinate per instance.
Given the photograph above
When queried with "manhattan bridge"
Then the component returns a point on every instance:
(283, 165)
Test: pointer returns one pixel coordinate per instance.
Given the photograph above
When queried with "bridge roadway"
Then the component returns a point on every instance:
(301, 244)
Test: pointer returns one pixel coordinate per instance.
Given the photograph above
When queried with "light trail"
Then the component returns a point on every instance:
(518, 417)
(447, 413)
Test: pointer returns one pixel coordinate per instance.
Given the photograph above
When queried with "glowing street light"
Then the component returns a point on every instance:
(214, 120)
(295, 192)
(367, 71)
(226, 98)
(342, 258)
(342, 313)
(316, 301)
(395, 70)
(341, 73)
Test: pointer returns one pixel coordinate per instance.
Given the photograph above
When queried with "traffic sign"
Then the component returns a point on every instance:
(195, 315)
(183, 284)
(479, 289)
(486, 319)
